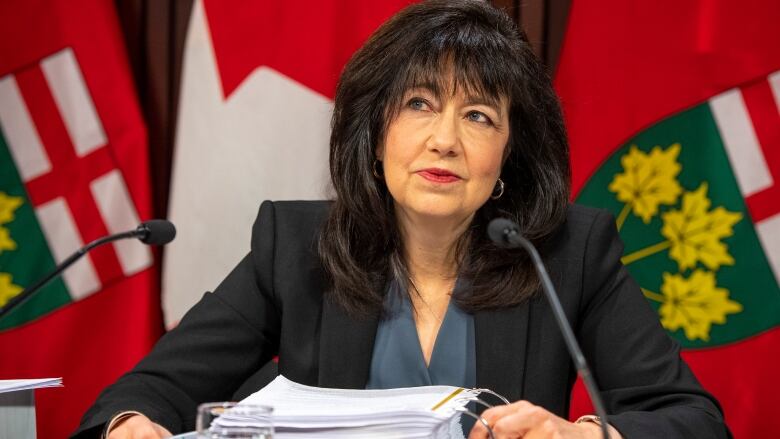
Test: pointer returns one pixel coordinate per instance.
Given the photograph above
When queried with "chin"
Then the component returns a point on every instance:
(437, 206)
(439, 214)
(438, 210)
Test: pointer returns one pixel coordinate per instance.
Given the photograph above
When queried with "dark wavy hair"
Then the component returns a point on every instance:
(477, 48)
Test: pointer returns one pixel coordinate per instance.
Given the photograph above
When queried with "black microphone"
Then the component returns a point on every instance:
(506, 233)
(156, 232)
(152, 232)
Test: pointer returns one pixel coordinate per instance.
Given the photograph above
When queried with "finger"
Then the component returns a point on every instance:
(490, 415)
(138, 427)
(162, 431)
(495, 413)
(478, 431)
(519, 423)
(550, 428)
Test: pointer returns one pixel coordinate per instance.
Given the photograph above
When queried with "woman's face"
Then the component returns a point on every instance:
(443, 154)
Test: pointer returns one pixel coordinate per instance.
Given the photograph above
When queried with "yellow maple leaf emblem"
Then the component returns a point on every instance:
(695, 233)
(694, 304)
(647, 181)
(7, 288)
(8, 204)
(6, 243)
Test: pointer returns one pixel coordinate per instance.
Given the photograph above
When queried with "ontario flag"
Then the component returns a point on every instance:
(73, 167)
(258, 80)
(674, 122)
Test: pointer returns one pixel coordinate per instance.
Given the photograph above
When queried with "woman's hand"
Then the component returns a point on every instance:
(138, 427)
(525, 420)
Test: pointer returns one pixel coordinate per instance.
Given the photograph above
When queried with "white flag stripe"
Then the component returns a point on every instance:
(119, 214)
(72, 97)
(739, 138)
(267, 141)
(64, 238)
(769, 234)
(774, 84)
(20, 133)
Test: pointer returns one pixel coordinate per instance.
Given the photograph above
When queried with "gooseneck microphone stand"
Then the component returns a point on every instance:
(152, 232)
(506, 233)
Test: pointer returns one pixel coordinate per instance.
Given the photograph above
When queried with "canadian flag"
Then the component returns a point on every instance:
(256, 100)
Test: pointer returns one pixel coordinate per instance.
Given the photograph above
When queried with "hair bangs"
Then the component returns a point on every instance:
(448, 61)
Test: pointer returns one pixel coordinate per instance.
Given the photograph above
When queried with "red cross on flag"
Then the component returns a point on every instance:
(73, 168)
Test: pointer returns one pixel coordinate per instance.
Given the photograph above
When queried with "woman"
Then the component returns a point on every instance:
(443, 120)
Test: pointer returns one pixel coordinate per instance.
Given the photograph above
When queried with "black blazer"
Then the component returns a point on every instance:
(272, 303)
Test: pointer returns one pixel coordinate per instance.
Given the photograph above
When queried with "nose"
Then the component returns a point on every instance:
(444, 138)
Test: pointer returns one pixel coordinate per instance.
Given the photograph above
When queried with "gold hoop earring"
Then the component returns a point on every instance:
(498, 190)
(375, 170)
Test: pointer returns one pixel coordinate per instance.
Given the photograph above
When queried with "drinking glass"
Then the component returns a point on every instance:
(231, 420)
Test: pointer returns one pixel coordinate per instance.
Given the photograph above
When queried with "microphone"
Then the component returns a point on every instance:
(507, 234)
(152, 232)
(156, 232)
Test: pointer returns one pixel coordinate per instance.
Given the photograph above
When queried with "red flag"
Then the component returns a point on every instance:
(685, 95)
(74, 167)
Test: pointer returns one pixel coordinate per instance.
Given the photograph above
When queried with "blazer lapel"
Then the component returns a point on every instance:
(501, 338)
(346, 346)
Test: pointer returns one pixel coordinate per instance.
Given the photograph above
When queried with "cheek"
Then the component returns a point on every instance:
(400, 143)
(394, 160)
(487, 158)
(486, 168)
(487, 180)
(490, 166)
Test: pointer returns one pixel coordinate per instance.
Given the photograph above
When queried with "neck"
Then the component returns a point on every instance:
(430, 245)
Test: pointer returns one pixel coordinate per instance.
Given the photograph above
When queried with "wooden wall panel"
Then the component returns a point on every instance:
(544, 22)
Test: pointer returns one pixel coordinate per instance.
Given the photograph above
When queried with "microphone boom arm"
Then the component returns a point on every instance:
(514, 238)
(154, 232)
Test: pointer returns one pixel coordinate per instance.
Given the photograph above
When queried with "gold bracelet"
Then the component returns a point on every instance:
(117, 419)
(589, 418)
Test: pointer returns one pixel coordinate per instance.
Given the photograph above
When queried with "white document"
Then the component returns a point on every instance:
(14, 385)
(305, 411)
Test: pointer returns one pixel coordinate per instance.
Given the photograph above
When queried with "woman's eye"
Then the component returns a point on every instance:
(476, 116)
(417, 104)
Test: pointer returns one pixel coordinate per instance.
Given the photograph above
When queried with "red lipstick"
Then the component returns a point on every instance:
(438, 175)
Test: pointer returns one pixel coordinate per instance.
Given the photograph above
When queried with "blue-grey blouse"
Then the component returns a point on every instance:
(397, 360)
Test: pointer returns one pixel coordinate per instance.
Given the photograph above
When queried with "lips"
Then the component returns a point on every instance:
(438, 175)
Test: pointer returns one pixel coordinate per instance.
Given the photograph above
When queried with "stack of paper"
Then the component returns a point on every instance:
(15, 385)
(304, 411)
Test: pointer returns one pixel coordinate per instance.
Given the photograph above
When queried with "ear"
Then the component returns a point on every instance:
(379, 152)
